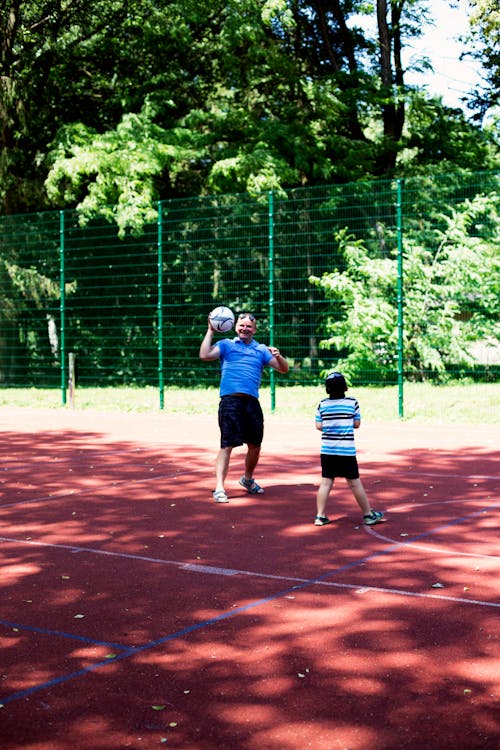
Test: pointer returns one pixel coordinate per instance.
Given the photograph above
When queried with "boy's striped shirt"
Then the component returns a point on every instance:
(337, 416)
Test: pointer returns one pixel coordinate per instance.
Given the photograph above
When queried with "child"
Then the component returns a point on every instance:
(337, 417)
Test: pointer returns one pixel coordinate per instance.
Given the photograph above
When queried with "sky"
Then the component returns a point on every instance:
(452, 78)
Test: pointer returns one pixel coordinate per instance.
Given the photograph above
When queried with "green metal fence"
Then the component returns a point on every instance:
(411, 290)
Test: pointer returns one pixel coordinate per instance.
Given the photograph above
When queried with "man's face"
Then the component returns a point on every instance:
(245, 328)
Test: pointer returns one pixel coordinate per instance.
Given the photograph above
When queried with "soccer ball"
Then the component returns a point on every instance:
(221, 319)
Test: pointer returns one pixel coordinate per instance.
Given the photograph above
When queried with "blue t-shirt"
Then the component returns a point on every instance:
(241, 366)
(337, 416)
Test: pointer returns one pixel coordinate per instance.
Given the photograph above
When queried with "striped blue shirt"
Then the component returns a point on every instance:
(337, 416)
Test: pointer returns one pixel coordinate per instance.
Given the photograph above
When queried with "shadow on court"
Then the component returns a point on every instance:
(137, 613)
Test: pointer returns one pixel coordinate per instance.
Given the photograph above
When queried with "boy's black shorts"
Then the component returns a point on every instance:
(339, 466)
(241, 421)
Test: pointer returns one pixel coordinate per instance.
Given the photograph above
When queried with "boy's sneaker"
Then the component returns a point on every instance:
(321, 520)
(376, 516)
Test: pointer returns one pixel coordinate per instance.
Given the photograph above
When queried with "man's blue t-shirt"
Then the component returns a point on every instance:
(241, 366)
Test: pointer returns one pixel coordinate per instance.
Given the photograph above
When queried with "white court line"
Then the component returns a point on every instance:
(98, 488)
(210, 570)
(427, 548)
(71, 455)
(453, 476)
(427, 504)
(126, 482)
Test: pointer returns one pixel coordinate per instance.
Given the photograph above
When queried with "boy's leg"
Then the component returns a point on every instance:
(322, 496)
(359, 493)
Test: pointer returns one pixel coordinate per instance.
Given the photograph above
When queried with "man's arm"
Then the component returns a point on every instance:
(279, 362)
(209, 351)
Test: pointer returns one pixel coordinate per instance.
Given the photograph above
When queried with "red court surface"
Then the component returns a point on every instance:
(137, 613)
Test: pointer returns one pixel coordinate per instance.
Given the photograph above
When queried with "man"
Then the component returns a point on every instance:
(240, 414)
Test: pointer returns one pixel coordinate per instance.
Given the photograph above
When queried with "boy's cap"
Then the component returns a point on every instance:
(337, 380)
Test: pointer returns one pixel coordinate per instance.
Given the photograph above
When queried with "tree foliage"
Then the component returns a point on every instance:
(112, 107)
(217, 248)
(226, 96)
(452, 297)
(484, 46)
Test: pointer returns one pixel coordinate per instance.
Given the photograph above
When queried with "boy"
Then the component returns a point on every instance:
(337, 417)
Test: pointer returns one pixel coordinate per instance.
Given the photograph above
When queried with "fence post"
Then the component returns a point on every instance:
(161, 382)
(399, 215)
(71, 379)
(62, 306)
(271, 292)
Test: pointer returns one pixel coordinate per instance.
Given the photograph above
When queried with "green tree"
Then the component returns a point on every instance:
(29, 298)
(452, 293)
(284, 94)
(440, 139)
(85, 63)
(128, 102)
(484, 46)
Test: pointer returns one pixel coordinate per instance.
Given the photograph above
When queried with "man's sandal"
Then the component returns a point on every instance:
(251, 486)
(220, 496)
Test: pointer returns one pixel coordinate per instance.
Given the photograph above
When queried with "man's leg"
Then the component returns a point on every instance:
(251, 460)
(222, 466)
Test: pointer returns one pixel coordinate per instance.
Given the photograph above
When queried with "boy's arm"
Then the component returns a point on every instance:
(356, 417)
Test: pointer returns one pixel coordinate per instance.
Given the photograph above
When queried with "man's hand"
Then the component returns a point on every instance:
(278, 361)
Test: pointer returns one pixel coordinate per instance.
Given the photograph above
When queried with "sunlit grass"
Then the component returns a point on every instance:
(424, 403)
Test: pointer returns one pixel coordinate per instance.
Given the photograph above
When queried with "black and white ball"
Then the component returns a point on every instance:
(222, 319)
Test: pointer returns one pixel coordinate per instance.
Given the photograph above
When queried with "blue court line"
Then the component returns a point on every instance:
(239, 610)
(61, 634)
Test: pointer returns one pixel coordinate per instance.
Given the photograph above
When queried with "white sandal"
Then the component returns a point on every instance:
(220, 496)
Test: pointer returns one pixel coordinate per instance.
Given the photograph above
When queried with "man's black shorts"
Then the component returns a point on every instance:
(240, 421)
(339, 466)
